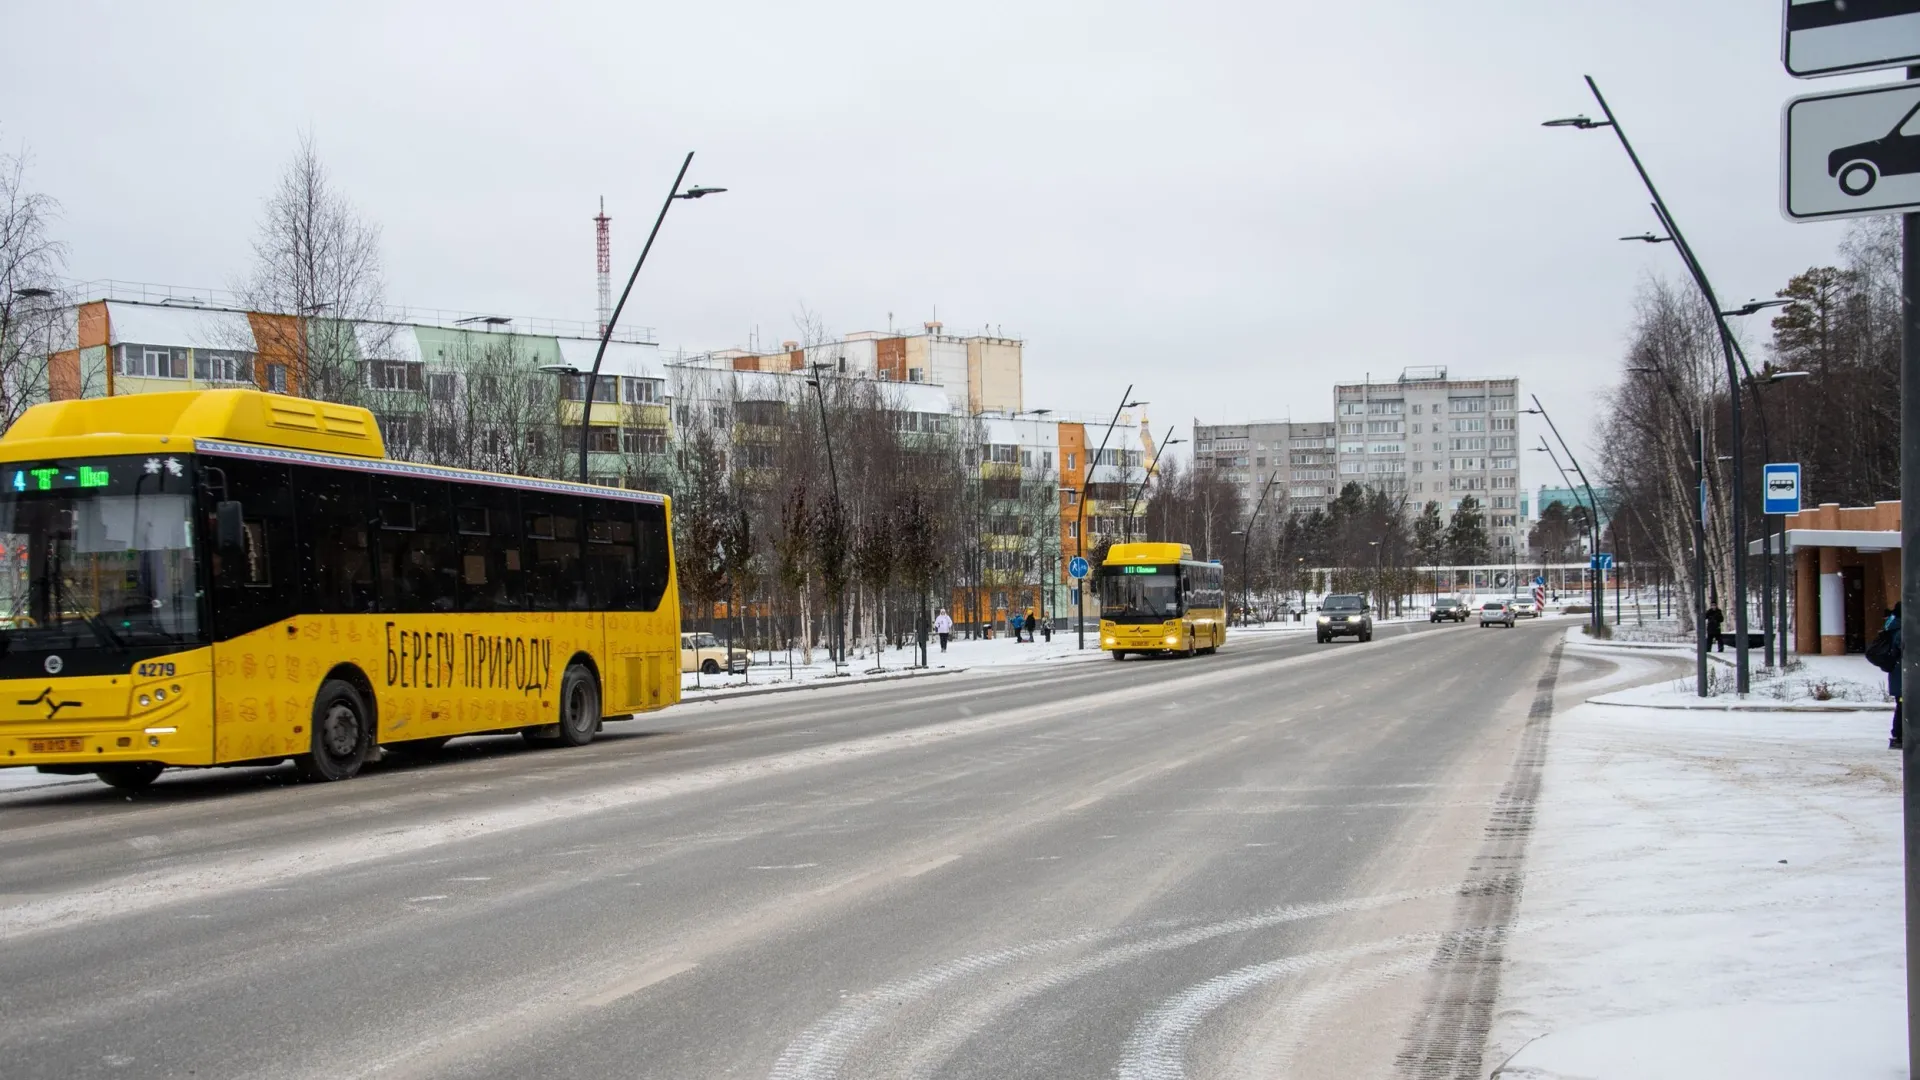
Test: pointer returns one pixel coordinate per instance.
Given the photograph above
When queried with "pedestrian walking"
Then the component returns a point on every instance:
(1013, 623)
(1031, 622)
(1884, 653)
(943, 625)
(1714, 618)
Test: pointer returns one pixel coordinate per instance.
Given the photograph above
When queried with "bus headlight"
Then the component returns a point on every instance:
(1173, 639)
(1108, 641)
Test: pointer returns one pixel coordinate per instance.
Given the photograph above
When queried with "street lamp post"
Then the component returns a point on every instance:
(606, 332)
(833, 476)
(1593, 508)
(1375, 545)
(1080, 518)
(1741, 653)
(1780, 579)
(1246, 539)
(1133, 497)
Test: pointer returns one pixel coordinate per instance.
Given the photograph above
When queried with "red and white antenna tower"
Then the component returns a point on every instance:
(603, 262)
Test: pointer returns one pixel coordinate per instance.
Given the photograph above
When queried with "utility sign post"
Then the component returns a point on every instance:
(1851, 153)
(1828, 37)
(1781, 488)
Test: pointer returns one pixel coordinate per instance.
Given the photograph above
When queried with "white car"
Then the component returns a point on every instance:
(1526, 609)
(1496, 613)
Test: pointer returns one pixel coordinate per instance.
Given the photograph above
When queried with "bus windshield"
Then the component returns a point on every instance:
(83, 568)
(1148, 597)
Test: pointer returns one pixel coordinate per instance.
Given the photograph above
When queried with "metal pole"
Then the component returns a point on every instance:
(1741, 658)
(1766, 552)
(1700, 558)
(1593, 515)
(1080, 519)
(606, 332)
(833, 475)
(1910, 595)
(1133, 497)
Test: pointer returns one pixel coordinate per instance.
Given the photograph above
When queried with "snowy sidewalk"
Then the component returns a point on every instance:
(1708, 894)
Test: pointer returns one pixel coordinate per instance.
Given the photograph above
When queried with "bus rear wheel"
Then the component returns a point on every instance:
(341, 740)
(579, 711)
(1118, 655)
(130, 776)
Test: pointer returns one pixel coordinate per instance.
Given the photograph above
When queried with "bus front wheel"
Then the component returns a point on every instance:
(341, 739)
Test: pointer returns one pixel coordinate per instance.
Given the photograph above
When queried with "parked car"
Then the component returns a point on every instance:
(1526, 608)
(1448, 608)
(1496, 613)
(704, 653)
(1344, 615)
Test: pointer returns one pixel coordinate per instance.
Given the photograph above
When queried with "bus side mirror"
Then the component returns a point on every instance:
(230, 525)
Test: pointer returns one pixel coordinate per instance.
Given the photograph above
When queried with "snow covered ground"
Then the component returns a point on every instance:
(1709, 894)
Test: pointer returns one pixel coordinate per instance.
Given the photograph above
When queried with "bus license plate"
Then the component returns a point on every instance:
(56, 746)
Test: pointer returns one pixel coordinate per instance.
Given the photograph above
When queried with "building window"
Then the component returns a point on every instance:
(221, 365)
(442, 385)
(643, 441)
(152, 362)
(605, 388)
(396, 375)
(638, 391)
(277, 378)
(1072, 462)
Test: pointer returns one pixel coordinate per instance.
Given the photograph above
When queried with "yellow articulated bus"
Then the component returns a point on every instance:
(232, 577)
(1154, 598)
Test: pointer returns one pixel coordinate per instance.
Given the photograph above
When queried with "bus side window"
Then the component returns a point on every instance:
(650, 581)
(333, 510)
(487, 520)
(610, 555)
(416, 545)
(554, 578)
(253, 586)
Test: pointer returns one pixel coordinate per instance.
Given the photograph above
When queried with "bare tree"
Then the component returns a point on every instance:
(317, 260)
(29, 261)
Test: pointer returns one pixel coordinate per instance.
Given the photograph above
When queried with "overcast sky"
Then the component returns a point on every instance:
(1231, 206)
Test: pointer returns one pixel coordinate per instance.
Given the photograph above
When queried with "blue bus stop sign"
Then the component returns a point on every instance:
(1077, 568)
(1782, 488)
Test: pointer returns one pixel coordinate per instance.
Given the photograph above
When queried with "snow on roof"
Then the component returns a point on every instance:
(387, 341)
(186, 327)
(623, 357)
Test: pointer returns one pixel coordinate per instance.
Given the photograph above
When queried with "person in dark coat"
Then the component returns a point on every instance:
(1893, 677)
(1715, 617)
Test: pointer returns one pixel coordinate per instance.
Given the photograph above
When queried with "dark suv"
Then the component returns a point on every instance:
(1344, 615)
(1448, 608)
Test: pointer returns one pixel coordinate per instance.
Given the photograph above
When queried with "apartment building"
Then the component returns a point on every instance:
(1302, 455)
(1425, 437)
(980, 372)
(480, 391)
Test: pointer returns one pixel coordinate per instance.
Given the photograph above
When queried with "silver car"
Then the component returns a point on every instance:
(1526, 608)
(1496, 613)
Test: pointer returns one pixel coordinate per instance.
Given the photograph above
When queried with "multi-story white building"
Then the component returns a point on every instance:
(1250, 456)
(1427, 438)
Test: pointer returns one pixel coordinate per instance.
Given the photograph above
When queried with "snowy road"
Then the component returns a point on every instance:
(1287, 859)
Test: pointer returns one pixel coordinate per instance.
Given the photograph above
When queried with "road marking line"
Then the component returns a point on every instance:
(787, 866)
(1084, 803)
(646, 977)
(928, 867)
(424, 899)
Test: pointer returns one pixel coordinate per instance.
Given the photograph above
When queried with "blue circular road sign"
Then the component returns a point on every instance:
(1078, 568)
